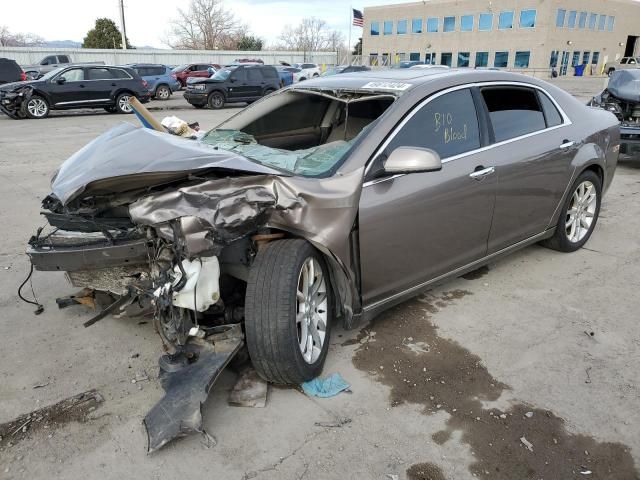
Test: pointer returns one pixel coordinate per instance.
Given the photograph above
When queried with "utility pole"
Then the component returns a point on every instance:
(123, 29)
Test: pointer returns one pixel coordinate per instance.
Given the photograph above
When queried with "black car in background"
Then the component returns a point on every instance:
(10, 71)
(237, 83)
(75, 86)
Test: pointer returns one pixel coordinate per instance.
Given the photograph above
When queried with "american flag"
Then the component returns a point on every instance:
(358, 18)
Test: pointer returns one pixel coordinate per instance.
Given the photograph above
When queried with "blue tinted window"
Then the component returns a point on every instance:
(583, 20)
(522, 59)
(585, 57)
(485, 22)
(463, 59)
(527, 18)
(449, 24)
(601, 22)
(501, 60)
(375, 28)
(560, 17)
(402, 27)
(553, 62)
(595, 58)
(575, 60)
(388, 27)
(611, 23)
(506, 20)
(445, 59)
(414, 56)
(482, 59)
(466, 23)
(571, 19)
(432, 25)
(593, 18)
(416, 25)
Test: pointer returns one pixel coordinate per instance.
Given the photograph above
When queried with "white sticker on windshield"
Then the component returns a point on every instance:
(387, 86)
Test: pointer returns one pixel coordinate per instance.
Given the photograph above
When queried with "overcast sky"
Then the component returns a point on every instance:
(148, 20)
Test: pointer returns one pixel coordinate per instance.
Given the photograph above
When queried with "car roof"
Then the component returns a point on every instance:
(403, 80)
(144, 65)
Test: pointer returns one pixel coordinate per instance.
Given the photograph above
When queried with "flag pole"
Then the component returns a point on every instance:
(350, 25)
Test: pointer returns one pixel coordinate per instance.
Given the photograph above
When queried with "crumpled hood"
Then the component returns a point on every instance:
(128, 157)
(9, 87)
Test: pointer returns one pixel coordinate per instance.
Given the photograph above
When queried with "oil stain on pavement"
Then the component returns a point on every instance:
(402, 350)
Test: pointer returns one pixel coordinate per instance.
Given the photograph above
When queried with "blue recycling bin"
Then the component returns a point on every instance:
(580, 69)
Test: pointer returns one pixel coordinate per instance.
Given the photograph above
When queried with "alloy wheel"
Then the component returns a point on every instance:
(124, 105)
(312, 315)
(581, 211)
(37, 107)
(163, 93)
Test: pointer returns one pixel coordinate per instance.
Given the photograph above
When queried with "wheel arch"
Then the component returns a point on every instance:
(120, 91)
(162, 84)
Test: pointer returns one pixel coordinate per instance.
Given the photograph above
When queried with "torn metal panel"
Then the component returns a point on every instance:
(128, 157)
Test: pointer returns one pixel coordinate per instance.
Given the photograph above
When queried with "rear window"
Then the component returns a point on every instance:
(99, 74)
(514, 111)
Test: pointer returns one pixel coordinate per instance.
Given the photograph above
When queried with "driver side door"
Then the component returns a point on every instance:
(416, 227)
(73, 91)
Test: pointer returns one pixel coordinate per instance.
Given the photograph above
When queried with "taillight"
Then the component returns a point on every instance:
(174, 76)
(145, 84)
(23, 77)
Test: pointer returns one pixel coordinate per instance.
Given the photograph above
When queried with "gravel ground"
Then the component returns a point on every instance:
(442, 386)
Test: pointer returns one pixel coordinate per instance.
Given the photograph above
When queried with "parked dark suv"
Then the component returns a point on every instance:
(10, 71)
(76, 86)
(238, 83)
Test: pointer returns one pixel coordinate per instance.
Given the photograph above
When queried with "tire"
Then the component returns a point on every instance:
(216, 100)
(274, 324)
(36, 107)
(163, 92)
(568, 237)
(122, 103)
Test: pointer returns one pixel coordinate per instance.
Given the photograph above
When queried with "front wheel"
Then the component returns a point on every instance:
(216, 100)
(163, 92)
(579, 214)
(35, 107)
(288, 312)
(122, 103)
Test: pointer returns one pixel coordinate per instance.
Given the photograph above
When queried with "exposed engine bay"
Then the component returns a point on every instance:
(622, 98)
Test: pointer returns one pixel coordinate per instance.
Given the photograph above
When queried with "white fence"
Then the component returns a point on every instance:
(33, 55)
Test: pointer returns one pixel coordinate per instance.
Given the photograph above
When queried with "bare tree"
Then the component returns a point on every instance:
(8, 39)
(205, 25)
(311, 35)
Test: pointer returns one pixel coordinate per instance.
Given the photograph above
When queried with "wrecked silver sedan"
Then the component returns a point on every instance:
(329, 200)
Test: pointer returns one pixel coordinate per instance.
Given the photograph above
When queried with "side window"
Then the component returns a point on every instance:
(623, 61)
(513, 111)
(238, 75)
(253, 75)
(202, 68)
(551, 113)
(448, 124)
(119, 74)
(156, 71)
(73, 75)
(193, 68)
(99, 74)
(270, 73)
(50, 60)
(63, 59)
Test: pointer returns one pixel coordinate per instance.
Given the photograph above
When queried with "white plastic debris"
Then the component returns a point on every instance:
(202, 288)
(527, 443)
(179, 127)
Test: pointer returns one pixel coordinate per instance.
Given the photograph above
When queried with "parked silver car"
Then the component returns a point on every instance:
(331, 199)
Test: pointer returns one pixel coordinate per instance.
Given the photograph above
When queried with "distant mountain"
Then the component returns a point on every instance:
(62, 44)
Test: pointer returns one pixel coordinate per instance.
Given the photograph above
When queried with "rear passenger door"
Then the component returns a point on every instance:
(255, 82)
(237, 84)
(100, 83)
(532, 154)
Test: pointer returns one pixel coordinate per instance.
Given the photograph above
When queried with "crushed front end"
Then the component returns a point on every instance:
(13, 97)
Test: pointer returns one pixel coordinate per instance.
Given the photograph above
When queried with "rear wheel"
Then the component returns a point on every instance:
(122, 103)
(163, 92)
(288, 312)
(216, 100)
(579, 214)
(35, 107)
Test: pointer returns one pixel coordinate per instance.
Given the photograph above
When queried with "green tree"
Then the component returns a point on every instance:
(357, 50)
(105, 34)
(249, 42)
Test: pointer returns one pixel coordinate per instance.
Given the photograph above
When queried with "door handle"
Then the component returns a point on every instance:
(567, 144)
(81, 85)
(482, 172)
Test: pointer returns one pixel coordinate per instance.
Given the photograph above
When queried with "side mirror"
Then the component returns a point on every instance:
(61, 80)
(232, 79)
(412, 160)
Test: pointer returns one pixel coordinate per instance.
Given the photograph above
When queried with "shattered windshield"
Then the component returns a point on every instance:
(222, 74)
(52, 73)
(307, 162)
